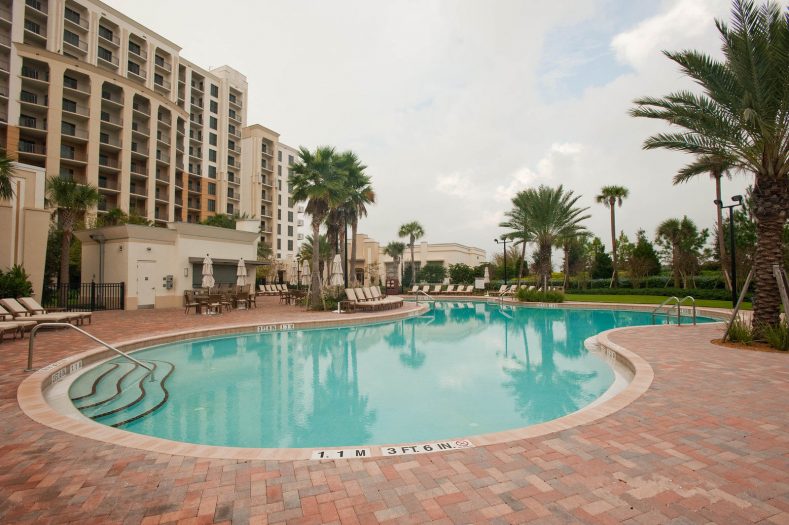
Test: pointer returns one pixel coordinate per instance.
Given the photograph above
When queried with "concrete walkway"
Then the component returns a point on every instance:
(708, 442)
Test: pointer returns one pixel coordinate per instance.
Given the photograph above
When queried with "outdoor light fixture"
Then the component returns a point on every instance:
(504, 241)
(737, 199)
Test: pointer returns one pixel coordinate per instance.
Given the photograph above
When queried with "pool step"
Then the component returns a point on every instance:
(122, 391)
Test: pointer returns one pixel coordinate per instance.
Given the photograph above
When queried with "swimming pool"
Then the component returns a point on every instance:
(462, 369)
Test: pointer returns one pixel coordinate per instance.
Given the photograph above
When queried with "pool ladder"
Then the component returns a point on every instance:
(416, 295)
(673, 302)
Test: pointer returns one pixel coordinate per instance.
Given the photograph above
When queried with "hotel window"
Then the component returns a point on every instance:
(290, 216)
(279, 170)
(214, 90)
(72, 15)
(69, 105)
(105, 54)
(212, 155)
(211, 188)
(279, 245)
(71, 38)
(211, 205)
(290, 231)
(279, 215)
(290, 202)
(212, 139)
(135, 48)
(229, 209)
(279, 156)
(279, 200)
(290, 245)
(212, 122)
(214, 106)
(212, 172)
(279, 229)
(70, 82)
(290, 160)
(134, 67)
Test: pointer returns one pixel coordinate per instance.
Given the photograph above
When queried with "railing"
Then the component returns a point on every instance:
(675, 302)
(84, 296)
(416, 295)
(108, 346)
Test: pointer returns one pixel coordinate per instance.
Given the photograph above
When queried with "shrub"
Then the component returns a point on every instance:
(15, 283)
(431, 273)
(697, 293)
(536, 296)
(777, 336)
(461, 273)
(741, 332)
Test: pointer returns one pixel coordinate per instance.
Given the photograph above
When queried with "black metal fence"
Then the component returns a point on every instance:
(84, 296)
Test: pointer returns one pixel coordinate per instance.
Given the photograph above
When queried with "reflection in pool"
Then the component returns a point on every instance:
(461, 369)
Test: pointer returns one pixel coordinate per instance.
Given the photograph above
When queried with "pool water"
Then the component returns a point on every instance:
(459, 370)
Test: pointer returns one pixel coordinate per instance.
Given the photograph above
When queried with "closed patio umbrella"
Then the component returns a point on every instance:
(305, 273)
(336, 278)
(208, 272)
(486, 277)
(241, 273)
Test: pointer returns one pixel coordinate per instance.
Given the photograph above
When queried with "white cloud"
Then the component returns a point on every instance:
(456, 185)
(558, 163)
(639, 46)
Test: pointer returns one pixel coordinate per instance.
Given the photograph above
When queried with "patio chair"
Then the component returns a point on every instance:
(426, 288)
(436, 289)
(34, 307)
(14, 328)
(190, 302)
(414, 289)
(20, 313)
(450, 290)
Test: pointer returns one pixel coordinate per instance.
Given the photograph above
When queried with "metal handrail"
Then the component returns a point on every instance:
(673, 298)
(63, 325)
(416, 294)
(692, 302)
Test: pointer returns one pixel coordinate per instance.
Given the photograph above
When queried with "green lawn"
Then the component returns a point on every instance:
(646, 299)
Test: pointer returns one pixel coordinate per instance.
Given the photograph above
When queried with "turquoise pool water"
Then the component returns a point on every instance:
(461, 369)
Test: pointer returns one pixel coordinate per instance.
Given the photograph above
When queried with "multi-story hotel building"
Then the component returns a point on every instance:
(267, 192)
(88, 93)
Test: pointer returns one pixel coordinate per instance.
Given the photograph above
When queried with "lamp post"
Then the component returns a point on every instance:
(504, 241)
(298, 272)
(737, 202)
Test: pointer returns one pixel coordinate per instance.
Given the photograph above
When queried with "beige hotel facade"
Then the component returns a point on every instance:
(88, 93)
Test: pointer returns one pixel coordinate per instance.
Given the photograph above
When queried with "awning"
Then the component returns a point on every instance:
(224, 262)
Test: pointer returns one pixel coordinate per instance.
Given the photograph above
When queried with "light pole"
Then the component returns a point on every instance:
(504, 241)
(737, 202)
(298, 272)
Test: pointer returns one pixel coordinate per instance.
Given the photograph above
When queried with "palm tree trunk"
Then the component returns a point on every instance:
(545, 265)
(413, 264)
(767, 299)
(523, 258)
(721, 242)
(315, 291)
(566, 266)
(615, 277)
(675, 264)
(354, 228)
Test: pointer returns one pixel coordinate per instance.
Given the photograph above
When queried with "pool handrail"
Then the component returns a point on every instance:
(678, 303)
(416, 295)
(693, 304)
(32, 339)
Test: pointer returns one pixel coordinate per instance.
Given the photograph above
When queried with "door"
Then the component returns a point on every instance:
(146, 289)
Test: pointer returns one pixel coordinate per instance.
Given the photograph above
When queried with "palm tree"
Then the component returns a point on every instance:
(72, 200)
(550, 214)
(395, 250)
(742, 118)
(685, 242)
(610, 197)
(324, 251)
(520, 234)
(317, 180)
(6, 171)
(360, 194)
(412, 230)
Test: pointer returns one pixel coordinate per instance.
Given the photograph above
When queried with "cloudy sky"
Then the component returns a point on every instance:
(457, 105)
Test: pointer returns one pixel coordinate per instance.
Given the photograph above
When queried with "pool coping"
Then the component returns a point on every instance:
(31, 394)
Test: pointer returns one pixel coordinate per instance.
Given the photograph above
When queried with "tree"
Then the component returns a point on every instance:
(324, 252)
(432, 273)
(71, 200)
(461, 273)
(517, 221)
(117, 216)
(611, 197)
(222, 220)
(395, 250)
(682, 242)
(602, 265)
(317, 180)
(550, 214)
(741, 118)
(6, 172)
(359, 195)
(412, 230)
(643, 260)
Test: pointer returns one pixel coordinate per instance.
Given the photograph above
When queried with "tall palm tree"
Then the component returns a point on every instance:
(395, 250)
(71, 200)
(6, 171)
(742, 117)
(550, 213)
(317, 180)
(359, 195)
(412, 230)
(611, 197)
(517, 221)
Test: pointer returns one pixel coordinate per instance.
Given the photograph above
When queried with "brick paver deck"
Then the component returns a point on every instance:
(707, 442)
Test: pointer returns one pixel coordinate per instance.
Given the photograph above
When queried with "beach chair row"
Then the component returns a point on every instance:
(370, 298)
(438, 289)
(20, 315)
(272, 289)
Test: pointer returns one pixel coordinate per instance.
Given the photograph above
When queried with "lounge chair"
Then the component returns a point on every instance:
(414, 289)
(377, 292)
(14, 328)
(436, 289)
(20, 313)
(502, 289)
(450, 290)
(426, 289)
(34, 307)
